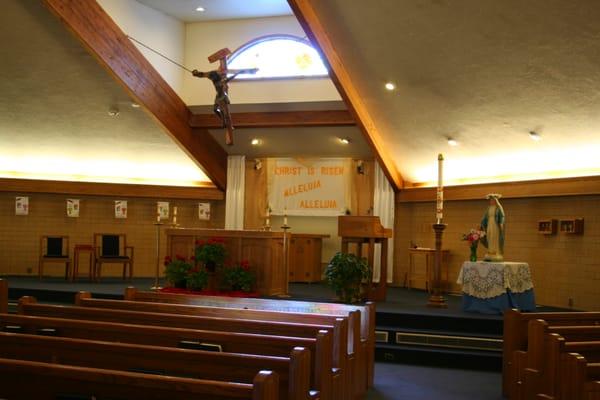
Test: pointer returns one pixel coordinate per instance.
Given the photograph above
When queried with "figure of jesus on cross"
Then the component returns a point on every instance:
(220, 79)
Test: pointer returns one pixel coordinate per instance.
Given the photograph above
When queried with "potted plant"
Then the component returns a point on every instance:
(345, 274)
(211, 253)
(197, 278)
(239, 277)
(176, 271)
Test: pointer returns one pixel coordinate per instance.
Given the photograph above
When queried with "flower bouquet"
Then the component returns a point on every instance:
(473, 237)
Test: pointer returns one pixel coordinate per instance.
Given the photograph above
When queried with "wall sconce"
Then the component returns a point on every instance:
(360, 167)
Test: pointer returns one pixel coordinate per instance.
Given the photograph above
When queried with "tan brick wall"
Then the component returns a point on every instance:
(563, 266)
(20, 235)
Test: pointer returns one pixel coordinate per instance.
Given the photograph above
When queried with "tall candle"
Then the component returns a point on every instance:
(439, 215)
(158, 216)
(285, 219)
(174, 211)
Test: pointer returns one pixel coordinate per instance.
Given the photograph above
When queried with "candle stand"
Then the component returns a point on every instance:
(286, 258)
(156, 277)
(437, 299)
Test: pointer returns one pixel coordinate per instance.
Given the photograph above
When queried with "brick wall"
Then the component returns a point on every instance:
(20, 235)
(563, 266)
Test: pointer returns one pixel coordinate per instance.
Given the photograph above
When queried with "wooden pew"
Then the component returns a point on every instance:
(321, 346)
(293, 371)
(529, 375)
(28, 306)
(553, 373)
(3, 296)
(355, 377)
(582, 378)
(515, 338)
(26, 380)
(367, 313)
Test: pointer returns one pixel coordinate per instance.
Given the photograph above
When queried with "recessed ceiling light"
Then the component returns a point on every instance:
(452, 142)
(135, 105)
(344, 140)
(255, 142)
(535, 136)
(200, 9)
(390, 86)
(113, 112)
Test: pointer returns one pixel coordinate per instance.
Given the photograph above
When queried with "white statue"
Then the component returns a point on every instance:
(493, 225)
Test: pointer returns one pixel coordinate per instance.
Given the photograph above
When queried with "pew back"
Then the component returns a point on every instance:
(52, 381)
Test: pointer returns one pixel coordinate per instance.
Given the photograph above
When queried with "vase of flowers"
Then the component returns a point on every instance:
(473, 237)
(211, 253)
(239, 277)
(176, 270)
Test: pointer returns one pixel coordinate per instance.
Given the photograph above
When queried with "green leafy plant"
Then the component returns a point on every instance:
(176, 270)
(211, 253)
(345, 273)
(197, 278)
(239, 277)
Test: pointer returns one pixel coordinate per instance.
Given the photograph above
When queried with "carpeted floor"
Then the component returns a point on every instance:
(412, 382)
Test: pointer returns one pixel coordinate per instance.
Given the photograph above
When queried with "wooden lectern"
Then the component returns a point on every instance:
(367, 230)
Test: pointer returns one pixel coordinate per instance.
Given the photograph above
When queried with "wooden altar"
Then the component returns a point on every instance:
(367, 231)
(264, 250)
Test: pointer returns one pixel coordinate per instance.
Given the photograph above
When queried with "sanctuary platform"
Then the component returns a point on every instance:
(407, 331)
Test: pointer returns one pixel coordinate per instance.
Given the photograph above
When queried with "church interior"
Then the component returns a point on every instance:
(450, 144)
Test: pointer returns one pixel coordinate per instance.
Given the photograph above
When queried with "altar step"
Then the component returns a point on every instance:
(449, 341)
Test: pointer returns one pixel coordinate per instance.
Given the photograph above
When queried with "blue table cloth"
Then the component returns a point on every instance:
(492, 287)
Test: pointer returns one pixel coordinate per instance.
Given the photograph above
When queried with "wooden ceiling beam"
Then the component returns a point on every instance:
(109, 44)
(280, 119)
(23, 186)
(315, 30)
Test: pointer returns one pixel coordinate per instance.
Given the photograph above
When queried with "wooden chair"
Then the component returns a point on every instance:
(112, 249)
(54, 249)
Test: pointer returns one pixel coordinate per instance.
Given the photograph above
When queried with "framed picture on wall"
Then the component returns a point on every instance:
(162, 210)
(73, 208)
(120, 208)
(204, 211)
(21, 205)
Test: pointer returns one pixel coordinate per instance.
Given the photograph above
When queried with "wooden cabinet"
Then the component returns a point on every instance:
(305, 257)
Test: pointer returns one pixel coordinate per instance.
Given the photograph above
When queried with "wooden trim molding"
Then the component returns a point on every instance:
(109, 189)
(315, 30)
(276, 119)
(112, 48)
(581, 186)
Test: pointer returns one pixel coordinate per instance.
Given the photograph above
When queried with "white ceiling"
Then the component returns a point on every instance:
(185, 10)
(55, 103)
(481, 71)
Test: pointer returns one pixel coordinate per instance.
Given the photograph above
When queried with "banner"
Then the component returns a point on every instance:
(21, 205)
(73, 208)
(316, 187)
(120, 208)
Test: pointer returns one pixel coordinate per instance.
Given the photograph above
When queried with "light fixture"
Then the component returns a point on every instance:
(135, 105)
(113, 112)
(535, 136)
(344, 140)
(257, 164)
(390, 86)
(452, 142)
(200, 9)
(255, 142)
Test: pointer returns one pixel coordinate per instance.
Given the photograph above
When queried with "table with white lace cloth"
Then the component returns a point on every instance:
(485, 280)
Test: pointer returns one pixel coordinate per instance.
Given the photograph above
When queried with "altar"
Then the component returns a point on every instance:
(492, 287)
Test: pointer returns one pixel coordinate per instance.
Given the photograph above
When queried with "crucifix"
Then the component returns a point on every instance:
(220, 79)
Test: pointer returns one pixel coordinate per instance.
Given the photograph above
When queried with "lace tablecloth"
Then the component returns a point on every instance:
(490, 279)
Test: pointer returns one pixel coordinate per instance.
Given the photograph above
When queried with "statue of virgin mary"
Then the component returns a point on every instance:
(493, 225)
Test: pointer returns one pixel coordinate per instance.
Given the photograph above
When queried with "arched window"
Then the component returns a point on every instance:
(278, 56)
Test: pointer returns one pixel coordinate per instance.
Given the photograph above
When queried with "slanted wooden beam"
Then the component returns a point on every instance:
(315, 30)
(109, 44)
(276, 119)
(110, 189)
